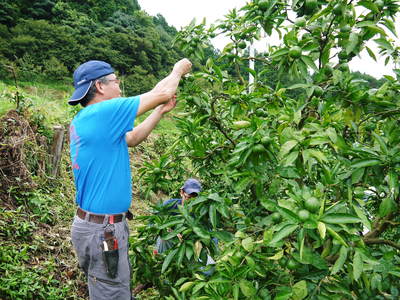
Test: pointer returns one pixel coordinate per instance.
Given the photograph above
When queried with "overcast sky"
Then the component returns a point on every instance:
(179, 13)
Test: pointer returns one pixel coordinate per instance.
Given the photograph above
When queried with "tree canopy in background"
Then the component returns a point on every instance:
(52, 38)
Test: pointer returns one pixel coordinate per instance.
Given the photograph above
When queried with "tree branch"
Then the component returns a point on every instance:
(380, 225)
(217, 123)
(382, 242)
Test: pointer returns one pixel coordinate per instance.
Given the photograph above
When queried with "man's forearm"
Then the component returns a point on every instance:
(142, 131)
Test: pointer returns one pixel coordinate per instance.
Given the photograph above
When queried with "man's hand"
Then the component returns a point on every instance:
(183, 66)
(167, 107)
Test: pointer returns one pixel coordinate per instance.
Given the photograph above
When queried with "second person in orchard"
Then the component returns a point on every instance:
(190, 189)
(100, 135)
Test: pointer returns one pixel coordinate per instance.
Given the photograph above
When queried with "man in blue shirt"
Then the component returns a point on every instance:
(190, 189)
(100, 135)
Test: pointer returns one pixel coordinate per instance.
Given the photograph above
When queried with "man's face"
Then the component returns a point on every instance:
(185, 196)
(111, 87)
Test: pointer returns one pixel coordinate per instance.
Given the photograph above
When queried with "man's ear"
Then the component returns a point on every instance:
(99, 87)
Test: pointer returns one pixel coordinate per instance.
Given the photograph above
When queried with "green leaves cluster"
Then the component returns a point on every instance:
(307, 155)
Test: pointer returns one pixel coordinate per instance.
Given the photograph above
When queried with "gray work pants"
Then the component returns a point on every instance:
(87, 238)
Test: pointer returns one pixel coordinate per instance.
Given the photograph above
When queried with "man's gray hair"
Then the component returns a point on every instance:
(92, 90)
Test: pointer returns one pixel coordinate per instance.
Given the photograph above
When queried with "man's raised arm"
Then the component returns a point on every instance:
(165, 89)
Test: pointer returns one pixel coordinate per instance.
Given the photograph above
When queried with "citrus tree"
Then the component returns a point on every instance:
(300, 166)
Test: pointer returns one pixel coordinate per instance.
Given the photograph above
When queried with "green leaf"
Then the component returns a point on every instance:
(340, 261)
(371, 53)
(248, 244)
(181, 254)
(362, 217)
(288, 214)
(384, 43)
(299, 290)
(353, 41)
(290, 159)
(168, 260)
(386, 207)
(186, 286)
(318, 155)
(362, 163)
(283, 293)
(381, 143)
(213, 216)
(247, 288)
(204, 234)
(284, 232)
(189, 251)
(236, 292)
(322, 229)
(389, 25)
(198, 287)
(298, 86)
(357, 265)
(357, 175)
(370, 5)
(250, 262)
(223, 235)
(279, 52)
(286, 147)
(336, 236)
(309, 62)
(172, 223)
(340, 219)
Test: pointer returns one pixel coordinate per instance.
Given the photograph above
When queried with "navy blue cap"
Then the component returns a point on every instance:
(192, 186)
(84, 76)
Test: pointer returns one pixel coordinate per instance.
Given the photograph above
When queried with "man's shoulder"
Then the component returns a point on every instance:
(173, 202)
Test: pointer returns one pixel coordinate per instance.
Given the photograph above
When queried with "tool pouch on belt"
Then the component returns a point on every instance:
(110, 258)
(110, 252)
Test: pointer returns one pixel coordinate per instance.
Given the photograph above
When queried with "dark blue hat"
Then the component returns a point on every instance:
(192, 186)
(84, 76)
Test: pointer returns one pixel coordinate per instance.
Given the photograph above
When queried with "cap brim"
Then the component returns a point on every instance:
(191, 191)
(79, 93)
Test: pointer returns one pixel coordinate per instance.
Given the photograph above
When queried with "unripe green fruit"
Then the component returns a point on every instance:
(338, 9)
(300, 22)
(344, 67)
(370, 127)
(258, 148)
(295, 52)
(276, 217)
(261, 113)
(380, 3)
(327, 70)
(263, 4)
(311, 4)
(345, 28)
(312, 204)
(266, 140)
(242, 45)
(342, 55)
(318, 91)
(304, 214)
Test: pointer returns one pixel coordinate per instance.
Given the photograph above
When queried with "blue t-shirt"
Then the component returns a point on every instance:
(175, 202)
(99, 155)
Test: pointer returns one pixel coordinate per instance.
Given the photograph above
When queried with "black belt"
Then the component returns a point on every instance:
(99, 219)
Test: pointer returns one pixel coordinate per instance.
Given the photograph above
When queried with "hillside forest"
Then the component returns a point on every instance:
(298, 154)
